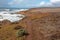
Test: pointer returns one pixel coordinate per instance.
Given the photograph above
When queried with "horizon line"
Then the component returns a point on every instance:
(26, 8)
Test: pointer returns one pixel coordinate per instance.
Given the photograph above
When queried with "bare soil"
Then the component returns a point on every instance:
(40, 26)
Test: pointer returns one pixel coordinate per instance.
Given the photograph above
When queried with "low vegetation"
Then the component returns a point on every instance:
(39, 26)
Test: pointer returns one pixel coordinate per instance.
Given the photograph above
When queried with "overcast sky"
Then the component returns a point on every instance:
(29, 3)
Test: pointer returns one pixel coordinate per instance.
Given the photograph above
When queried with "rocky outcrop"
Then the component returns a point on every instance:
(4, 22)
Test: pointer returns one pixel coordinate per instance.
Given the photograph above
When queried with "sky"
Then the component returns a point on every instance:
(29, 3)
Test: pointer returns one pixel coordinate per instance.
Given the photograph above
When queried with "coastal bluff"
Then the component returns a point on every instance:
(40, 23)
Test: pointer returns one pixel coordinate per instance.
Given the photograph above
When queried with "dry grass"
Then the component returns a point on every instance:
(40, 26)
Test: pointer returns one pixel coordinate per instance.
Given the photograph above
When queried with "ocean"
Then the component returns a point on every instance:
(6, 14)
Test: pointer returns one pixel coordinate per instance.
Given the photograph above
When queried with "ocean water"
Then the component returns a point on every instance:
(6, 14)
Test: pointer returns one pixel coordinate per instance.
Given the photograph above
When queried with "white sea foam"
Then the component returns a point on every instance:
(7, 15)
(14, 11)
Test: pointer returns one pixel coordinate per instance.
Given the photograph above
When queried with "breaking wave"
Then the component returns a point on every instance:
(6, 14)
